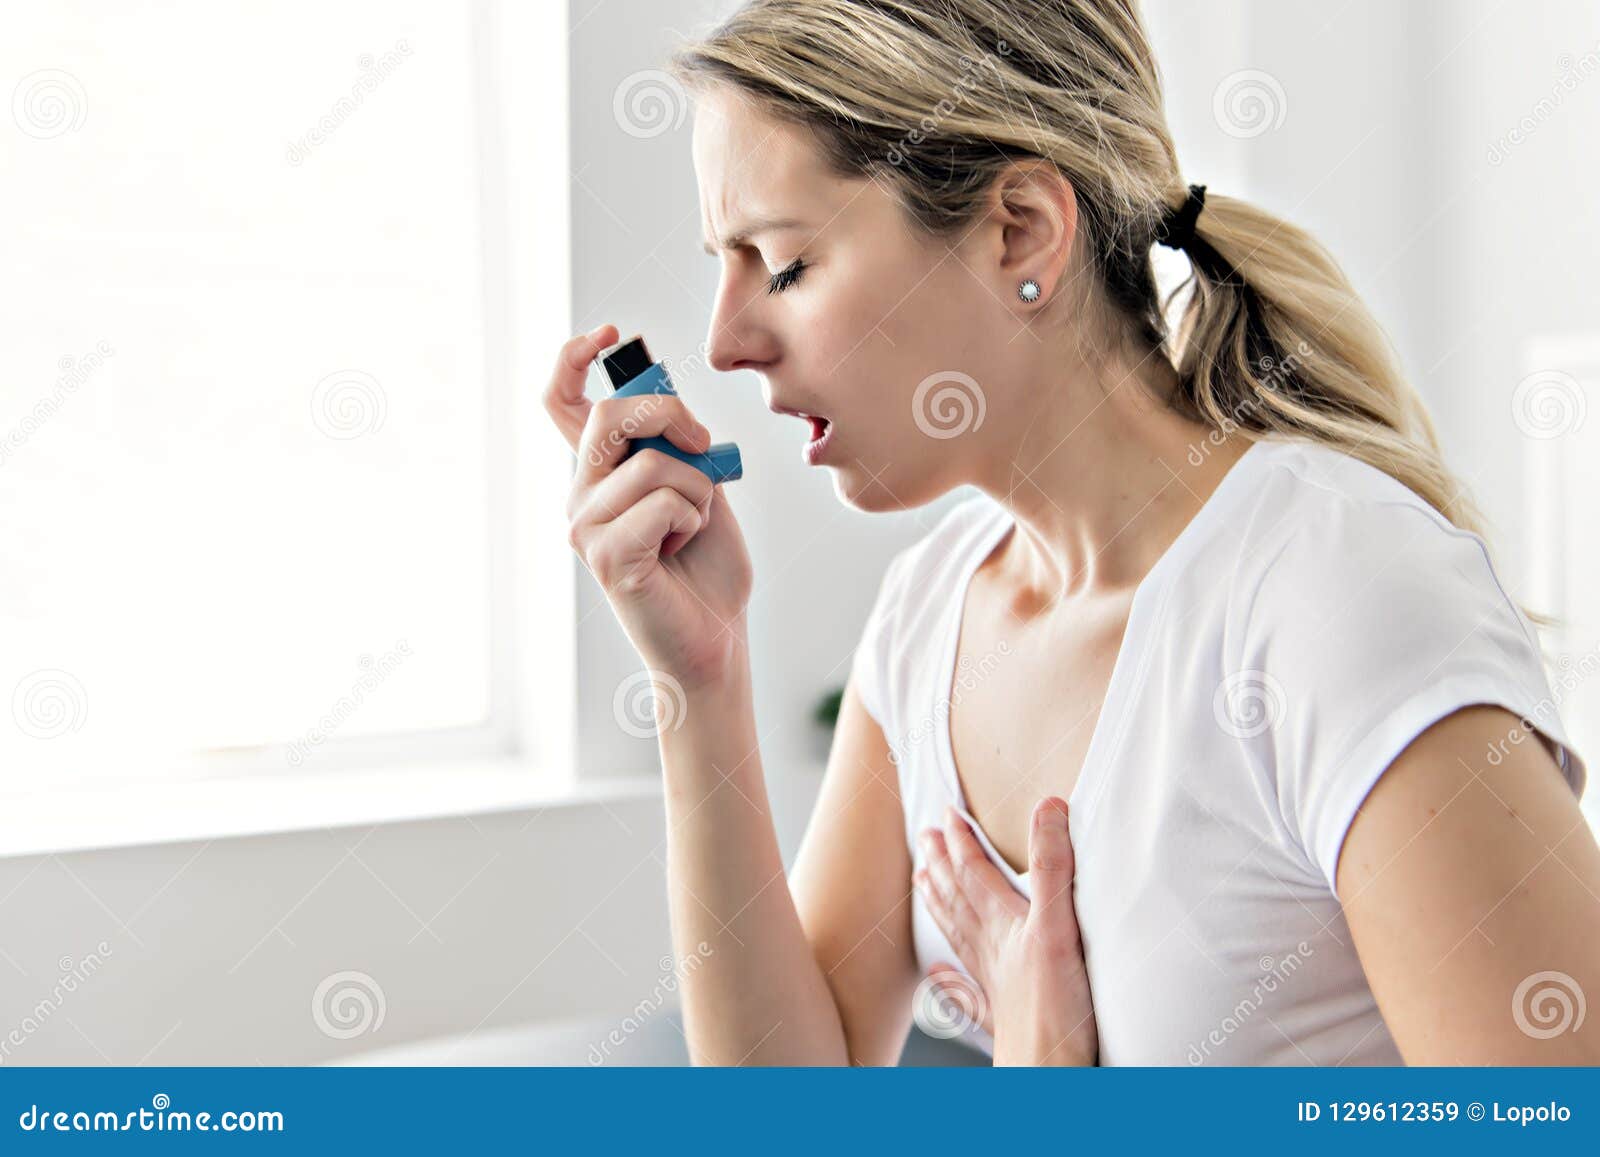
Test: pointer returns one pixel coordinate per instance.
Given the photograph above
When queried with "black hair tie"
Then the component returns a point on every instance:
(1176, 230)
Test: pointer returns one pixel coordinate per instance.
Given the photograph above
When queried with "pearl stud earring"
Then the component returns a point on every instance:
(1029, 291)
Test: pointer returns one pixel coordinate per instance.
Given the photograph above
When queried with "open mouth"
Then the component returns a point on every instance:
(821, 435)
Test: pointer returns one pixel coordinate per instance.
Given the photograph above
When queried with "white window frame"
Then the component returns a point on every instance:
(1551, 514)
(526, 754)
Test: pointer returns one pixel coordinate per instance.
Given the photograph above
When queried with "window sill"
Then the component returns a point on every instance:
(91, 818)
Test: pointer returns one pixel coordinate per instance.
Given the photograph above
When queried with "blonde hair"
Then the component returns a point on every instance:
(935, 98)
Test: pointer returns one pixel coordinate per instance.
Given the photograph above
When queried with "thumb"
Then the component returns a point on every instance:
(1051, 865)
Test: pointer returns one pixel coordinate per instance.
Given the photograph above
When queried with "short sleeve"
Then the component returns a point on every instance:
(870, 670)
(1365, 630)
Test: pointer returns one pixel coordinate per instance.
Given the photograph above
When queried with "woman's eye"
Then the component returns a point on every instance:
(784, 278)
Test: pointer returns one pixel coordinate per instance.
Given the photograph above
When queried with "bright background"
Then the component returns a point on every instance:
(271, 457)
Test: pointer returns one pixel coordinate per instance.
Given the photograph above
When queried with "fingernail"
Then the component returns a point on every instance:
(1050, 815)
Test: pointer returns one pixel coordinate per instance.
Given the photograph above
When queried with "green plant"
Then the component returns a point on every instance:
(826, 712)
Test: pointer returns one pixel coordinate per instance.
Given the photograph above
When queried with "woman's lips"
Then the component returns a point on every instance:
(821, 436)
(821, 433)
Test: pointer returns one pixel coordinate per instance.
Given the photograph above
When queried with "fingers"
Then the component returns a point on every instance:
(623, 558)
(614, 422)
(592, 510)
(600, 431)
(984, 884)
(946, 900)
(646, 471)
(956, 920)
(563, 397)
(1051, 868)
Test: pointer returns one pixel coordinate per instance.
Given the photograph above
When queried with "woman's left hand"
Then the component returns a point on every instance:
(1026, 957)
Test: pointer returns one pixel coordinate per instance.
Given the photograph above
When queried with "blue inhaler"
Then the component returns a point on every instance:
(631, 372)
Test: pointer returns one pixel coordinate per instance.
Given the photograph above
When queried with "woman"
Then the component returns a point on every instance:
(1198, 736)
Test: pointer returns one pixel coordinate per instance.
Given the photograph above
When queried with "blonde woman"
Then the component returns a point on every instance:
(1205, 732)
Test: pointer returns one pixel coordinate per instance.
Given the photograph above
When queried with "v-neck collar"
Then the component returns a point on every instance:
(1127, 672)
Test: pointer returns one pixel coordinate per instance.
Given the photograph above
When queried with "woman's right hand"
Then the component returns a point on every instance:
(659, 538)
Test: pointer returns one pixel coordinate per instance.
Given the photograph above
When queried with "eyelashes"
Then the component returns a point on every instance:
(784, 278)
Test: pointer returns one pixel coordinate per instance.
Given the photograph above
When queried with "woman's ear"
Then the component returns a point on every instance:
(1033, 219)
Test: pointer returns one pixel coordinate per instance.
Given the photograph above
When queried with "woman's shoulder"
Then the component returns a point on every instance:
(1343, 567)
(1325, 523)
(1362, 616)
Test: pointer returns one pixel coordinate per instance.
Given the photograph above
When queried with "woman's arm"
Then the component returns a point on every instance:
(822, 975)
(1464, 880)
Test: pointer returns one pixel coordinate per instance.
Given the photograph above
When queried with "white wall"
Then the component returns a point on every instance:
(214, 951)
(638, 263)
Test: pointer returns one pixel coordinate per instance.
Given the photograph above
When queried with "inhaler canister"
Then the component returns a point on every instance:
(631, 372)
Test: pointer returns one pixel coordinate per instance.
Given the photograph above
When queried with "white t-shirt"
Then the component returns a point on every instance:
(1312, 619)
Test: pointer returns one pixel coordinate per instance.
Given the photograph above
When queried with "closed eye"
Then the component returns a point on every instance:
(784, 278)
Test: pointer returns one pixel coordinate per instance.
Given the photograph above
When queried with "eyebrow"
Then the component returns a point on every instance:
(753, 229)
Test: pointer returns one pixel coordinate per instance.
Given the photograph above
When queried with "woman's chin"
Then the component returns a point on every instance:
(865, 490)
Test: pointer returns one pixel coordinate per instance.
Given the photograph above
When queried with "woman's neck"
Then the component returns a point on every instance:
(1101, 476)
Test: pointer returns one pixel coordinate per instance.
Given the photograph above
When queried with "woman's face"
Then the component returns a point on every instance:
(901, 343)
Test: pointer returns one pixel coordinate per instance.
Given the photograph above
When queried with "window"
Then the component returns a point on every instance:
(256, 425)
(1549, 407)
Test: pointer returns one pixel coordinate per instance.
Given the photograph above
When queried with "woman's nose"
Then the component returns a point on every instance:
(739, 339)
(724, 357)
(727, 350)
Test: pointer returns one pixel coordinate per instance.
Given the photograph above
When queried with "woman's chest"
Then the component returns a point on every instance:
(1203, 942)
(1025, 702)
